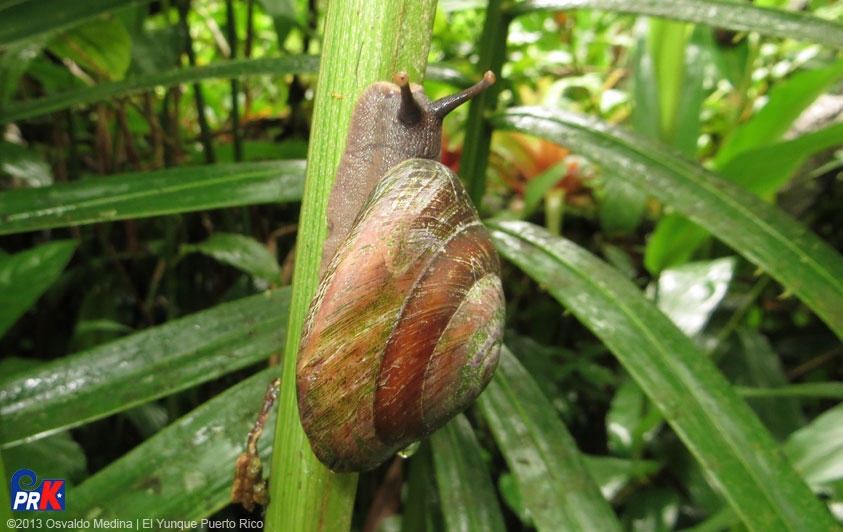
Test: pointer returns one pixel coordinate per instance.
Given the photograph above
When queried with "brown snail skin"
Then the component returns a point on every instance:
(405, 329)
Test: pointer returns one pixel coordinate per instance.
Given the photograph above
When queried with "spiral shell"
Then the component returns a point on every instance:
(405, 329)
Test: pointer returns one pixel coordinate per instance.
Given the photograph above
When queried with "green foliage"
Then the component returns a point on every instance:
(670, 363)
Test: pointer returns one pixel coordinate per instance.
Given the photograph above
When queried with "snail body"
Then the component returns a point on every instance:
(405, 329)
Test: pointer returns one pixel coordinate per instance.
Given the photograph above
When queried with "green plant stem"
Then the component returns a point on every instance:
(823, 390)
(739, 314)
(204, 129)
(365, 41)
(235, 83)
(478, 134)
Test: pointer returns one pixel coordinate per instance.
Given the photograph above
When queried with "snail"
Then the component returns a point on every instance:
(405, 329)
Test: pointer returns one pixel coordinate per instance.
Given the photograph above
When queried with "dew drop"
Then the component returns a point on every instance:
(409, 450)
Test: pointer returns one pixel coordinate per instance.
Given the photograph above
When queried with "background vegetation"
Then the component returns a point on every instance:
(673, 362)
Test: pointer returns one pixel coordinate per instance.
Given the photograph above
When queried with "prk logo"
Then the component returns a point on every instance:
(48, 496)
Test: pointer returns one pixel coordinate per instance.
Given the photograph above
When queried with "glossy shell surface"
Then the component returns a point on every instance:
(405, 329)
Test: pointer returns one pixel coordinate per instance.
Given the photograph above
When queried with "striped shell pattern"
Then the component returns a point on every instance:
(405, 329)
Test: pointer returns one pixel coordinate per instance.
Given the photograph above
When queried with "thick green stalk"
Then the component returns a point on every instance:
(231, 27)
(204, 128)
(365, 41)
(478, 134)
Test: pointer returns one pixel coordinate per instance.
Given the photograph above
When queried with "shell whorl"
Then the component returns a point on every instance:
(405, 329)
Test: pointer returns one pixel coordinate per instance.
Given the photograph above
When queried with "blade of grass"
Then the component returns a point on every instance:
(238, 68)
(144, 366)
(465, 487)
(272, 66)
(826, 390)
(718, 13)
(766, 236)
(554, 481)
(421, 506)
(727, 439)
(144, 194)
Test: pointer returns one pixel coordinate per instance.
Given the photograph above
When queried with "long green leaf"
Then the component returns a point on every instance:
(421, 511)
(554, 481)
(275, 66)
(264, 66)
(766, 236)
(143, 194)
(829, 390)
(725, 436)
(141, 367)
(26, 19)
(465, 487)
(185, 472)
(718, 13)
(25, 275)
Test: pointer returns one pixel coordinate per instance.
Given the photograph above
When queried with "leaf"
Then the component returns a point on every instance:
(28, 18)
(718, 13)
(185, 472)
(25, 164)
(666, 43)
(623, 206)
(690, 293)
(56, 456)
(147, 365)
(817, 450)
(465, 488)
(830, 390)
(539, 186)
(102, 46)
(25, 275)
(14, 62)
(672, 243)
(653, 509)
(276, 66)
(766, 236)
(556, 486)
(691, 95)
(754, 363)
(631, 421)
(272, 66)
(421, 511)
(764, 170)
(786, 102)
(723, 434)
(613, 474)
(242, 252)
(144, 194)
(156, 51)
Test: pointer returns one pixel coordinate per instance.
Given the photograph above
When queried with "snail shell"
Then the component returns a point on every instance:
(405, 329)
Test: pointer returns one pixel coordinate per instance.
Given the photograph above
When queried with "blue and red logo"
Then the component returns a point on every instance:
(48, 496)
